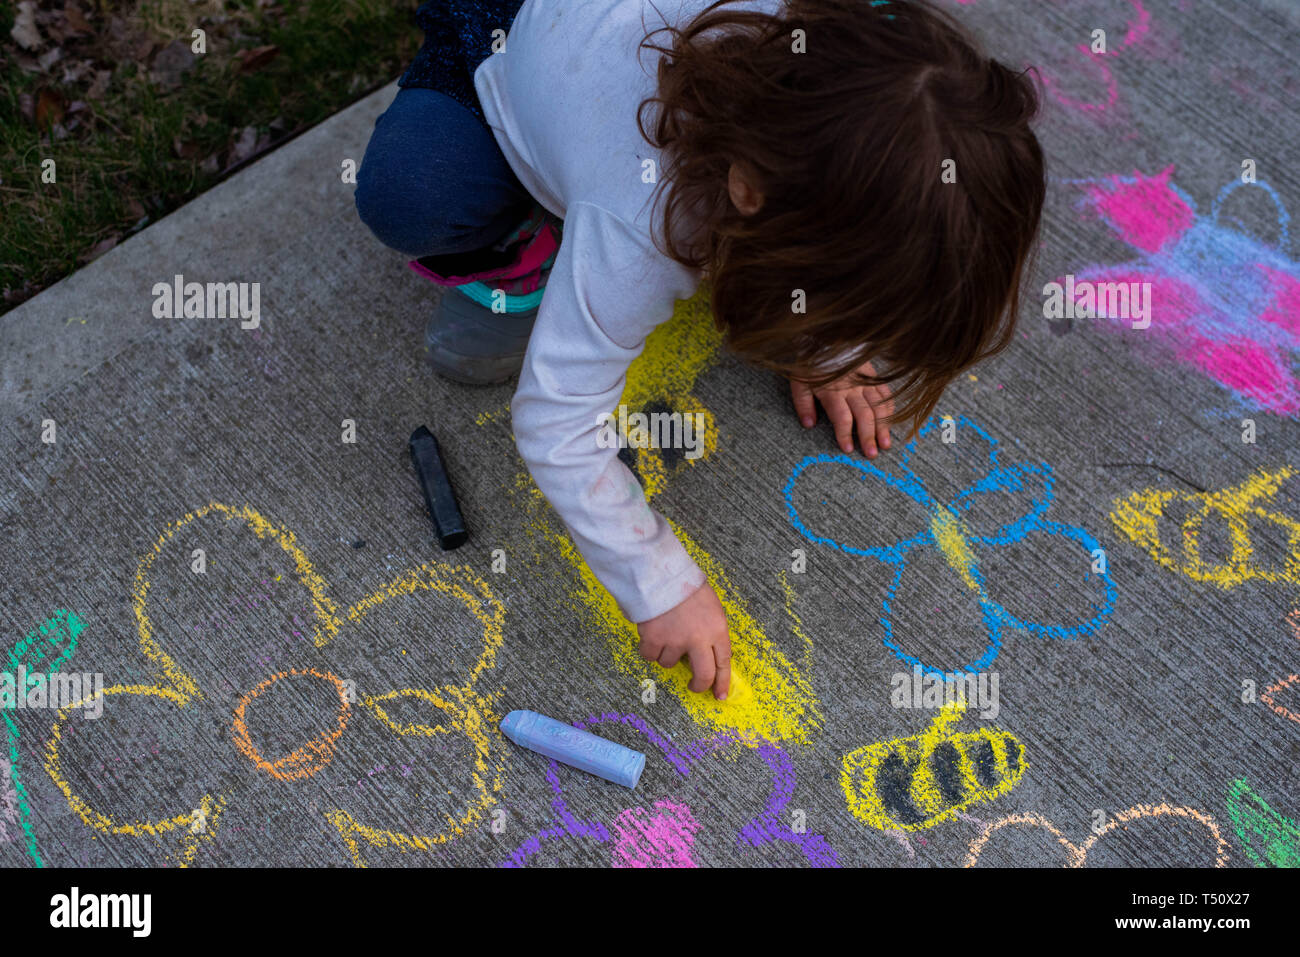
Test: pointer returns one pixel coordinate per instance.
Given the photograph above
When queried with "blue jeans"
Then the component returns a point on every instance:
(433, 180)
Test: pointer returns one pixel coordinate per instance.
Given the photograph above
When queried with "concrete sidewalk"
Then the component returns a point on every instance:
(294, 674)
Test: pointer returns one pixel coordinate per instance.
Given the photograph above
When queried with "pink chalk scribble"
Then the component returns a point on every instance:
(662, 838)
(1086, 82)
(1223, 301)
(1136, 29)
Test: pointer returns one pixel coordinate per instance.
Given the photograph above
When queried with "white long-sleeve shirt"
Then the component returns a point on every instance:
(561, 100)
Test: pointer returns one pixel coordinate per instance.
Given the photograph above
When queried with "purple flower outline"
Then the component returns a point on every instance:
(767, 828)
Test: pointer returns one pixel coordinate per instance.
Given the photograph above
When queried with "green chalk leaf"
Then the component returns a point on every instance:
(47, 647)
(1268, 838)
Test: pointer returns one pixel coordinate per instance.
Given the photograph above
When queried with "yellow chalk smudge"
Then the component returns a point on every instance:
(770, 698)
(674, 355)
(950, 535)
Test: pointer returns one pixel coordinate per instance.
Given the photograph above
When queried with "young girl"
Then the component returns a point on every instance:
(857, 183)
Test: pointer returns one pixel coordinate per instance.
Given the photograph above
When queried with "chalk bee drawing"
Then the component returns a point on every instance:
(914, 783)
(1143, 518)
(960, 547)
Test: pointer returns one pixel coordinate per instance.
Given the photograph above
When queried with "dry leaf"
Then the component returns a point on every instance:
(25, 32)
(49, 108)
(99, 86)
(49, 58)
(97, 250)
(187, 149)
(257, 58)
(27, 106)
(124, 42)
(244, 147)
(134, 209)
(74, 21)
(76, 71)
(172, 62)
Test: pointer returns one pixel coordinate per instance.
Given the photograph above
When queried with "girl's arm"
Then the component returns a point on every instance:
(606, 292)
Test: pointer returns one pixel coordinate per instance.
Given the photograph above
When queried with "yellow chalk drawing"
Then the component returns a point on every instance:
(770, 697)
(951, 535)
(468, 710)
(664, 374)
(202, 829)
(675, 355)
(796, 623)
(907, 784)
(1138, 516)
(1077, 854)
(469, 713)
(179, 822)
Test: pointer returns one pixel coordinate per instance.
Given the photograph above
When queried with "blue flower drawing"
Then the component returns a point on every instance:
(1029, 486)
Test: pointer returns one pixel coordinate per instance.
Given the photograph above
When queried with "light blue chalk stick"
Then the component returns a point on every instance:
(569, 745)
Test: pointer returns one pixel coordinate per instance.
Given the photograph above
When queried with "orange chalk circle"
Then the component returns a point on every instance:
(1078, 853)
(304, 761)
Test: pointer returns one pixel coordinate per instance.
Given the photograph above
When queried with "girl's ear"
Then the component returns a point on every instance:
(744, 195)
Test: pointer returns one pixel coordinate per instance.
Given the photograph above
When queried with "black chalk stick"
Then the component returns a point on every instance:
(438, 494)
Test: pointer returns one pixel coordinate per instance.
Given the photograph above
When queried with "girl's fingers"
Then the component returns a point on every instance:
(866, 419)
(703, 668)
(804, 405)
(884, 407)
(722, 680)
(670, 656)
(841, 416)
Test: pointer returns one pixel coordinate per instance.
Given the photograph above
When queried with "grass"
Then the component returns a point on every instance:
(145, 147)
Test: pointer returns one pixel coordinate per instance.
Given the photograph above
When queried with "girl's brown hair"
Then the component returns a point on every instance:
(847, 140)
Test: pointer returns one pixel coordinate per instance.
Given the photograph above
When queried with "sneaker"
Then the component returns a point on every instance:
(479, 332)
(467, 342)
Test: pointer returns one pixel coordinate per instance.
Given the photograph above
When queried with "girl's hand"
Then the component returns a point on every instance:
(696, 629)
(869, 406)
